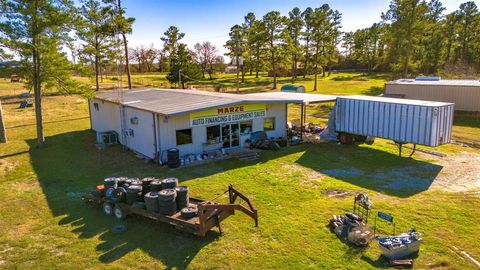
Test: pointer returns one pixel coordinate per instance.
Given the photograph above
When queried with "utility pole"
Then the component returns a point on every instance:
(3, 132)
(238, 68)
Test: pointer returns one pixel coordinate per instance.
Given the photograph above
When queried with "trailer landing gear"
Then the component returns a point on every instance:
(399, 144)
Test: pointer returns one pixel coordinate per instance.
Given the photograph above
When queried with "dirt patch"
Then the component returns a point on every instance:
(460, 173)
(338, 193)
(6, 165)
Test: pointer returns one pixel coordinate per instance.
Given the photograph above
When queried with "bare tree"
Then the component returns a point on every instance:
(206, 56)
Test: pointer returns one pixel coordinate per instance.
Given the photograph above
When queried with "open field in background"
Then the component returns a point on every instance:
(44, 223)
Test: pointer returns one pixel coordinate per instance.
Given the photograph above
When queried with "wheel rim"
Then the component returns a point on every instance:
(118, 213)
(107, 209)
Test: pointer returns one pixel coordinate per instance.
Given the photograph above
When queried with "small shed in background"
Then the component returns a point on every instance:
(293, 88)
(464, 93)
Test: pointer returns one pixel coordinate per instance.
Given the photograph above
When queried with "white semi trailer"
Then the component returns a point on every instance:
(401, 120)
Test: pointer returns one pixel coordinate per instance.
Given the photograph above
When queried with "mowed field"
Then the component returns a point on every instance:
(45, 225)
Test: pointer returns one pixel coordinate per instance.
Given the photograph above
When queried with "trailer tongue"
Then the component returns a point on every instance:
(210, 214)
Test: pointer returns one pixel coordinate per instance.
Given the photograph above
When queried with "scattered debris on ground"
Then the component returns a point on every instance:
(338, 193)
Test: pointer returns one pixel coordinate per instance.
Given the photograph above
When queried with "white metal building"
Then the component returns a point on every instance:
(464, 93)
(151, 121)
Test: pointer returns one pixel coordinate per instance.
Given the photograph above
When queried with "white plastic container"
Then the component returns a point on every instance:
(402, 120)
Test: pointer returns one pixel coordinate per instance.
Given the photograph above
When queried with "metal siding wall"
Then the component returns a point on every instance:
(466, 98)
(107, 118)
(143, 139)
(400, 122)
(279, 112)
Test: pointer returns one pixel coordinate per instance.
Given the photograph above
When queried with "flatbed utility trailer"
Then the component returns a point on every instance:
(210, 214)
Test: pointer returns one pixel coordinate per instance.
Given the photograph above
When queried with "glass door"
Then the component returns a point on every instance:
(235, 135)
(226, 135)
(230, 135)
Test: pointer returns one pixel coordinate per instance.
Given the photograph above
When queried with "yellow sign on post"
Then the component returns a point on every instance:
(228, 114)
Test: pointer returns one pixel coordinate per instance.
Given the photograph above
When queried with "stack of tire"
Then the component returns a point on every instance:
(133, 194)
(151, 201)
(155, 185)
(173, 158)
(182, 197)
(167, 204)
(146, 181)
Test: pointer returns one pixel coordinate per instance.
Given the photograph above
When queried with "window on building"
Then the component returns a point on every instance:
(95, 105)
(246, 127)
(213, 134)
(184, 136)
(269, 123)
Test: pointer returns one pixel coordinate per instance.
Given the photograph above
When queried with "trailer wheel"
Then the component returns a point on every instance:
(345, 138)
(107, 208)
(360, 138)
(119, 213)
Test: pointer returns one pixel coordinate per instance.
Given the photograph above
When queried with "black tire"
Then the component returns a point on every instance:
(188, 212)
(134, 189)
(118, 195)
(119, 213)
(156, 185)
(345, 138)
(140, 205)
(135, 181)
(170, 182)
(151, 201)
(107, 208)
(146, 184)
(167, 208)
(182, 199)
(274, 146)
(167, 195)
(121, 180)
(134, 193)
(109, 182)
(360, 138)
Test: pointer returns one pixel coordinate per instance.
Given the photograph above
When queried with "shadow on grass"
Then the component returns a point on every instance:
(373, 91)
(466, 120)
(70, 166)
(373, 169)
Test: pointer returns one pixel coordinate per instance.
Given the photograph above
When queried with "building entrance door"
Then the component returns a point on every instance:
(230, 135)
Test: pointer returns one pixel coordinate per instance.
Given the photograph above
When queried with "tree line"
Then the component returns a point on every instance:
(412, 37)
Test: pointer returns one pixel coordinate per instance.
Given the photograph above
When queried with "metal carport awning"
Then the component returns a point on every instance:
(303, 99)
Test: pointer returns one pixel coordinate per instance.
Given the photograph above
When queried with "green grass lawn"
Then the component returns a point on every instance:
(44, 224)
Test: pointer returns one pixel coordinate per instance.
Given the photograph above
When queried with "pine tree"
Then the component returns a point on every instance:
(295, 25)
(96, 30)
(275, 40)
(122, 26)
(35, 30)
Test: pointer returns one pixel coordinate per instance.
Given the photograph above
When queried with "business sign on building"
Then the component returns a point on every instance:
(228, 114)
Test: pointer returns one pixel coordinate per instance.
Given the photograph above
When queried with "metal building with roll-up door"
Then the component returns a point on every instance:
(402, 120)
(465, 94)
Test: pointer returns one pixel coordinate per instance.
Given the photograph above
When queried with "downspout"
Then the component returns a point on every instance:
(155, 155)
(159, 141)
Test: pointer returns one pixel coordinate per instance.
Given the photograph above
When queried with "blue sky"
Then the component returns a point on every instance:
(211, 20)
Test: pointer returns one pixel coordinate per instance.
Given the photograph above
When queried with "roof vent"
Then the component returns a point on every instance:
(427, 78)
